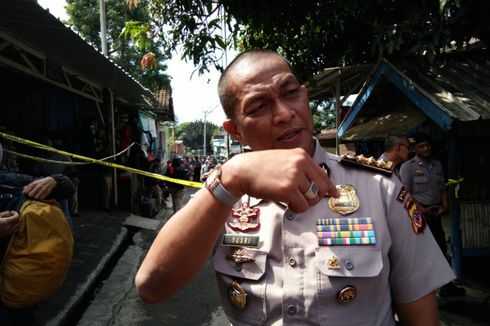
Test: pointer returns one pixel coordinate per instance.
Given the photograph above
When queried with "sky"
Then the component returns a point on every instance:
(191, 96)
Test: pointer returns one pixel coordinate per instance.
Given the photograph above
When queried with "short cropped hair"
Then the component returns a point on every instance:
(226, 96)
(391, 141)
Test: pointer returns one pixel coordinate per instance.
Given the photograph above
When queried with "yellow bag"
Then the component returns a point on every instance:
(38, 255)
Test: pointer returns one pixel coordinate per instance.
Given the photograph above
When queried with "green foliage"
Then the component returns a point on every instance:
(192, 25)
(323, 114)
(84, 17)
(192, 133)
(317, 34)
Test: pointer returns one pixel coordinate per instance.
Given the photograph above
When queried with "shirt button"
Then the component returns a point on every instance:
(349, 265)
(290, 215)
(292, 262)
(291, 309)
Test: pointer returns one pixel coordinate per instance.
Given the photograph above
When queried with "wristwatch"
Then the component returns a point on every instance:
(214, 185)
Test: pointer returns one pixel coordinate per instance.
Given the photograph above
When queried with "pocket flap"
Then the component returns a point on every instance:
(252, 270)
(353, 261)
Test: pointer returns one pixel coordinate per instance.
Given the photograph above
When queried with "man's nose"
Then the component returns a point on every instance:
(282, 112)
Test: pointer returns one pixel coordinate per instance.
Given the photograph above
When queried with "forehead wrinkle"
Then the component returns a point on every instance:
(256, 90)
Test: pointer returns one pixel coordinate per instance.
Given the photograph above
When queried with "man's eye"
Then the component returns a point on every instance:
(256, 108)
(292, 92)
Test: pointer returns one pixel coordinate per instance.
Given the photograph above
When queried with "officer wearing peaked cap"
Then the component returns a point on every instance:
(316, 248)
(424, 177)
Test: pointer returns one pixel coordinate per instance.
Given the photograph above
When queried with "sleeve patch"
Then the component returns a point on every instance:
(415, 216)
(402, 194)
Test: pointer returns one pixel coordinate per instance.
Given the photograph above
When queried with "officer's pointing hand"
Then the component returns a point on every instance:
(278, 175)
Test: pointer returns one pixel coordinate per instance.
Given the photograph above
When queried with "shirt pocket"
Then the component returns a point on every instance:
(358, 267)
(421, 183)
(250, 276)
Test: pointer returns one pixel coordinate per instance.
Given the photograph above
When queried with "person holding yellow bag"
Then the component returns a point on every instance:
(26, 207)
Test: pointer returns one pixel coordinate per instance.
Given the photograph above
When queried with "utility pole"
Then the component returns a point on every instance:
(103, 37)
(205, 114)
(204, 138)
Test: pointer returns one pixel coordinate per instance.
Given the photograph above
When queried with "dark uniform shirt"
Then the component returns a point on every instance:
(424, 180)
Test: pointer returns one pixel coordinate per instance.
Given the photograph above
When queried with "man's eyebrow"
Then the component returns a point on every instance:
(285, 81)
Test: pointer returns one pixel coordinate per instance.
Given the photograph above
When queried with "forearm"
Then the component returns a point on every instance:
(421, 312)
(444, 201)
(181, 248)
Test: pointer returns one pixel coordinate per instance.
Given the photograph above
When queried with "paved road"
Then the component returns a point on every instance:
(116, 302)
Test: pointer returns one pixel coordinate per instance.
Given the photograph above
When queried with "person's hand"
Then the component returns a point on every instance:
(427, 212)
(439, 211)
(9, 223)
(277, 175)
(41, 188)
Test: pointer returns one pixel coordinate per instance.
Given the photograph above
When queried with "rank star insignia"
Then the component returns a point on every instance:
(244, 218)
(347, 203)
(240, 256)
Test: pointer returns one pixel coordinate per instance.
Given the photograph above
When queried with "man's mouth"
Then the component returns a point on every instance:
(289, 135)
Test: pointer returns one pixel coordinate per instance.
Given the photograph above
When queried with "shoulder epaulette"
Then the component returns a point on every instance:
(370, 163)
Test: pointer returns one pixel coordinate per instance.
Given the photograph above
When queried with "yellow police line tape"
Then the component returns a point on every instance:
(100, 162)
(457, 187)
(454, 181)
(68, 163)
(44, 160)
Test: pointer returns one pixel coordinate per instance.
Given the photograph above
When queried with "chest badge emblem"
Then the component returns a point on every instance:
(245, 218)
(237, 295)
(239, 256)
(333, 262)
(347, 294)
(347, 203)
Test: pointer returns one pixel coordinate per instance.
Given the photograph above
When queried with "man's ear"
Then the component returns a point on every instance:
(231, 127)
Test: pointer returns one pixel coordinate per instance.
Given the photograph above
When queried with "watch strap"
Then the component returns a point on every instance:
(224, 196)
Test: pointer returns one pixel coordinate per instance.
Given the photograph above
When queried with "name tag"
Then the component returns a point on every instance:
(241, 240)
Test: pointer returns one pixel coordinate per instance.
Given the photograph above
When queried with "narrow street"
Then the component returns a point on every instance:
(117, 303)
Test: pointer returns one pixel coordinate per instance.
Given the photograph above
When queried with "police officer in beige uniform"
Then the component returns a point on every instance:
(295, 248)
(396, 150)
(424, 177)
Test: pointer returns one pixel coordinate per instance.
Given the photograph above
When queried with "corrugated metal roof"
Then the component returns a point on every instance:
(457, 88)
(461, 84)
(350, 80)
(30, 24)
(398, 121)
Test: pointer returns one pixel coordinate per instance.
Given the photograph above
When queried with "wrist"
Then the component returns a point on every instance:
(56, 178)
(214, 184)
(230, 180)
